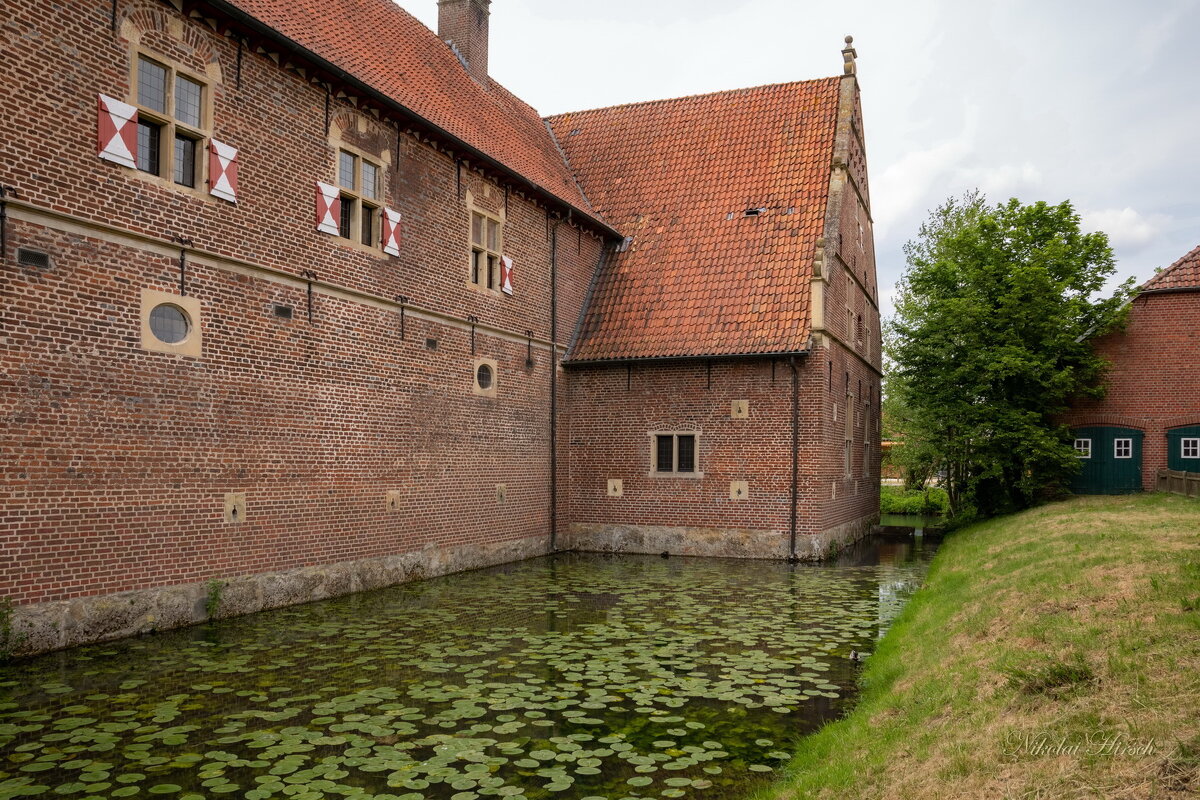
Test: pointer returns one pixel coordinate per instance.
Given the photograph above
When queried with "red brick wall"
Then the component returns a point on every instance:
(114, 461)
(1152, 384)
(612, 413)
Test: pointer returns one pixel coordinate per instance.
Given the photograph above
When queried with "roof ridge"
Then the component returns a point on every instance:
(664, 100)
(1191, 255)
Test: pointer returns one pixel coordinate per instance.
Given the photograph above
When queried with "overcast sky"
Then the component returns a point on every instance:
(1094, 102)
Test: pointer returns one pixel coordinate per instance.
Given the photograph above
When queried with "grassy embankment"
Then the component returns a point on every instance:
(1053, 653)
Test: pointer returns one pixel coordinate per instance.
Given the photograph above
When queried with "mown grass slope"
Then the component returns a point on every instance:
(1053, 653)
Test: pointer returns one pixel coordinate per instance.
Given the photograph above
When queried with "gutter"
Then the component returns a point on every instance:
(1168, 290)
(262, 29)
(621, 362)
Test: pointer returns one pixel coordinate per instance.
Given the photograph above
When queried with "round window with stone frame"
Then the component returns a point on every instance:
(484, 376)
(169, 323)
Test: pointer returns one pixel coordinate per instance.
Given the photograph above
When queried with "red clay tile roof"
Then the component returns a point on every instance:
(1183, 274)
(700, 277)
(391, 51)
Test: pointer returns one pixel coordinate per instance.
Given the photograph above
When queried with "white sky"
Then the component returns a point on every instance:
(1096, 102)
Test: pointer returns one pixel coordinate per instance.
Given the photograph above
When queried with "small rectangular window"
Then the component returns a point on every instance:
(152, 85)
(675, 453)
(346, 220)
(665, 459)
(1122, 448)
(477, 229)
(1191, 448)
(1083, 448)
(370, 181)
(185, 161)
(346, 170)
(687, 453)
(149, 146)
(368, 224)
(188, 106)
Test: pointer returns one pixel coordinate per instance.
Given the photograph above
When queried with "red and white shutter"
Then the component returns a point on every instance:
(391, 232)
(222, 170)
(506, 271)
(329, 208)
(116, 131)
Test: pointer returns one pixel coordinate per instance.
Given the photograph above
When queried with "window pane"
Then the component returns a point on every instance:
(347, 216)
(493, 235)
(477, 229)
(476, 258)
(492, 277)
(187, 101)
(185, 161)
(149, 143)
(368, 225)
(152, 85)
(665, 460)
(169, 323)
(346, 170)
(687, 453)
(370, 180)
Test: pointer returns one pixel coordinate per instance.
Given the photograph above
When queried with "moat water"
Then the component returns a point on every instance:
(572, 676)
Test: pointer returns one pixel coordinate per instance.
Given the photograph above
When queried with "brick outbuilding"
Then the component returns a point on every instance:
(1149, 419)
(295, 297)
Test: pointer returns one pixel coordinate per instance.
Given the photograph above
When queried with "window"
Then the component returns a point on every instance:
(1122, 448)
(358, 179)
(1191, 448)
(675, 453)
(486, 243)
(1083, 448)
(171, 122)
(171, 323)
(485, 377)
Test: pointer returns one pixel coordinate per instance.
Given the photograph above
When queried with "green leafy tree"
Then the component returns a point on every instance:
(990, 342)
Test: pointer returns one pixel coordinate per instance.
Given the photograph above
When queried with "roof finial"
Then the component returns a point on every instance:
(849, 54)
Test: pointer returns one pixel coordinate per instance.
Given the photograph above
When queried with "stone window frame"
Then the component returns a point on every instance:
(1192, 443)
(169, 124)
(476, 388)
(193, 344)
(1123, 445)
(1083, 448)
(355, 199)
(479, 277)
(673, 473)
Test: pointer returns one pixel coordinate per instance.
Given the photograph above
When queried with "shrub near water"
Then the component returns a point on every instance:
(931, 500)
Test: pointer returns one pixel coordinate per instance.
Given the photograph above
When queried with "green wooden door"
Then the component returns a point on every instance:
(1183, 448)
(1111, 460)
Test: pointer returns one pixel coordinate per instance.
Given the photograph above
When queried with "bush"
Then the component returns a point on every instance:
(931, 500)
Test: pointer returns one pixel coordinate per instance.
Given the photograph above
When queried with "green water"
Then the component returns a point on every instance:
(575, 676)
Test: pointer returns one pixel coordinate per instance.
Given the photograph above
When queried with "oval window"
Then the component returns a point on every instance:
(483, 376)
(169, 323)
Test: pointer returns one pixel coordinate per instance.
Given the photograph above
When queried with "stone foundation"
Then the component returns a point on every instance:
(713, 542)
(43, 627)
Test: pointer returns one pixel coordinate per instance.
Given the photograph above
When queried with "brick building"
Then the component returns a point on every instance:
(1150, 417)
(295, 297)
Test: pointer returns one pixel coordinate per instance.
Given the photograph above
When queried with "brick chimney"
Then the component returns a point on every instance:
(463, 24)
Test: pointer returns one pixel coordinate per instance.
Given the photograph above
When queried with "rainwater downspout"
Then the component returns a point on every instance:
(792, 557)
(554, 382)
